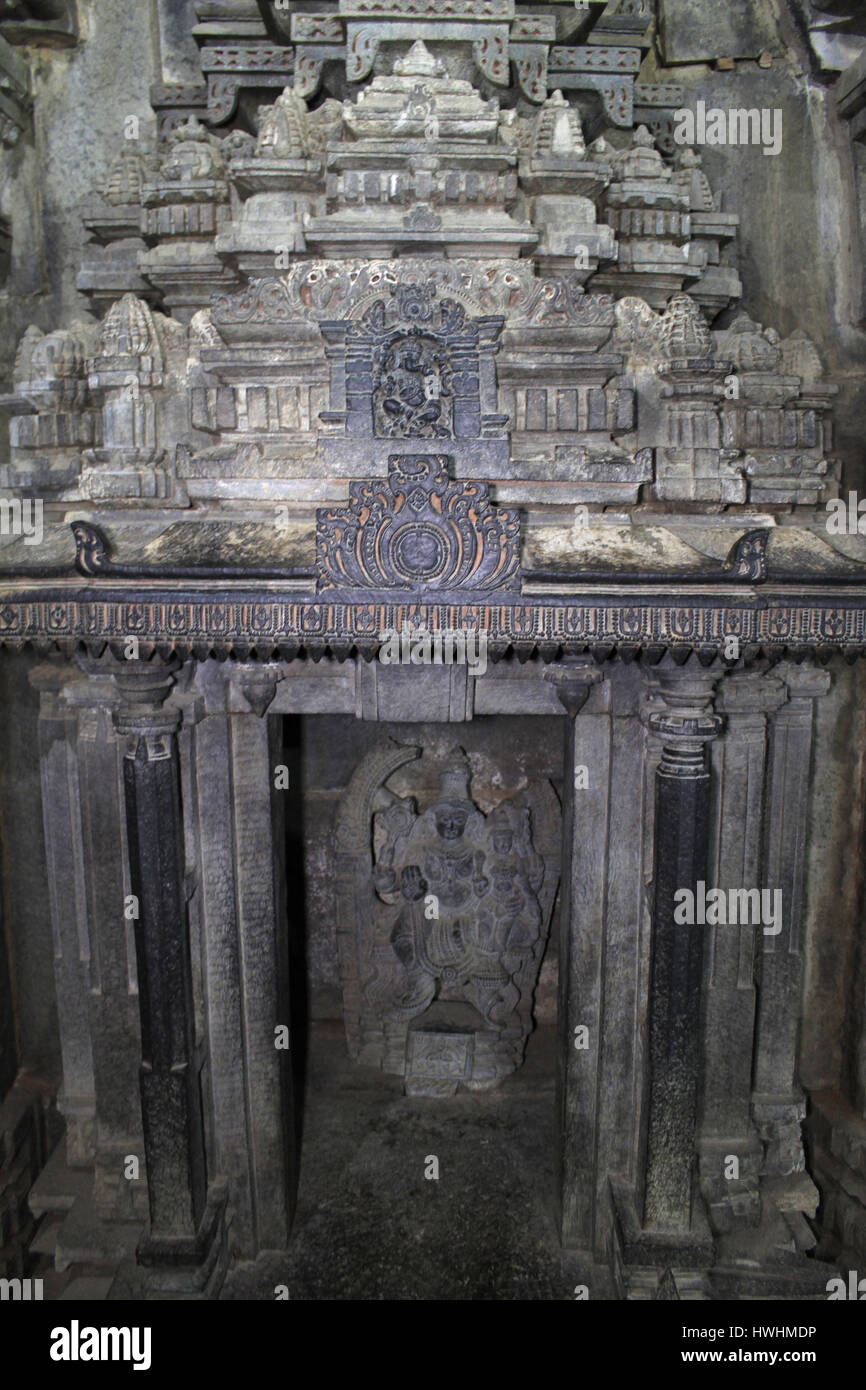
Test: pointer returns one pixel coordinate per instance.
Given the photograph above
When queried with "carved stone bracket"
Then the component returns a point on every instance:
(491, 55)
(175, 105)
(654, 106)
(501, 40)
(308, 75)
(530, 66)
(361, 49)
(232, 69)
(609, 71)
(574, 679)
(748, 558)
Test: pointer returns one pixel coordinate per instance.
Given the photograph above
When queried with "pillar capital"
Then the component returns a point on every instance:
(751, 695)
(573, 679)
(688, 732)
(684, 690)
(680, 712)
(52, 680)
(805, 682)
(141, 716)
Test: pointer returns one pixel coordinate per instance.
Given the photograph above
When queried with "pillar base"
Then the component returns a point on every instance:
(191, 1267)
(639, 1252)
(768, 1262)
(730, 1202)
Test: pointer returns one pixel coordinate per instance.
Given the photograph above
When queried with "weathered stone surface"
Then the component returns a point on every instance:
(320, 245)
(693, 31)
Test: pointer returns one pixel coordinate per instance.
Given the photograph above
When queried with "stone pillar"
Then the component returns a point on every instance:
(778, 1104)
(244, 951)
(169, 1081)
(113, 998)
(581, 953)
(739, 763)
(95, 968)
(74, 964)
(682, 817)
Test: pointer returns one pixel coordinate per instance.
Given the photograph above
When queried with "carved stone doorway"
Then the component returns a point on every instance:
(376, 1076)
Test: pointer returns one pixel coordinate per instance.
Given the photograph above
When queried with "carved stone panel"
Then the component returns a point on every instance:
(443, 916)
(418, 531)
(410, 366)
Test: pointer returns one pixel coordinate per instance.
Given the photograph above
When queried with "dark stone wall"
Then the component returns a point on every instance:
(834, 924)
(8, 1042)
(25, 902)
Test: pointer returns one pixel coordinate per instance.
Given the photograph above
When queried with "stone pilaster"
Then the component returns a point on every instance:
(95, 967)
(244, 946)
(682, 817)
(581, 953)
(726, 1131)
(778, 1104)
(169, 1080)
(74, 965)
(8, 1041)
(113, 998)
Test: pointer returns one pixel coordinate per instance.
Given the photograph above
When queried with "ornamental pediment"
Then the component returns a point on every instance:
(419, 530)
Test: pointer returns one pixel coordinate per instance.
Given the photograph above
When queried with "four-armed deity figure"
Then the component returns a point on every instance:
(465, 922)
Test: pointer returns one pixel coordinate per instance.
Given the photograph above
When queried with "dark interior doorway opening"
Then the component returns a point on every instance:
(413, 1196)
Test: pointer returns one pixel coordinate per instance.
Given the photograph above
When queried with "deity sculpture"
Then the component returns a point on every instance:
(412, 395)
(457, 927)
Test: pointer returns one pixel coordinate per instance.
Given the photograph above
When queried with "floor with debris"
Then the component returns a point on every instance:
(370, 1225)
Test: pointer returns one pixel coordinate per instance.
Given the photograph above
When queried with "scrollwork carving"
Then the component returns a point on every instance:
(418, 530)
(491, 57)
(361, 54)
